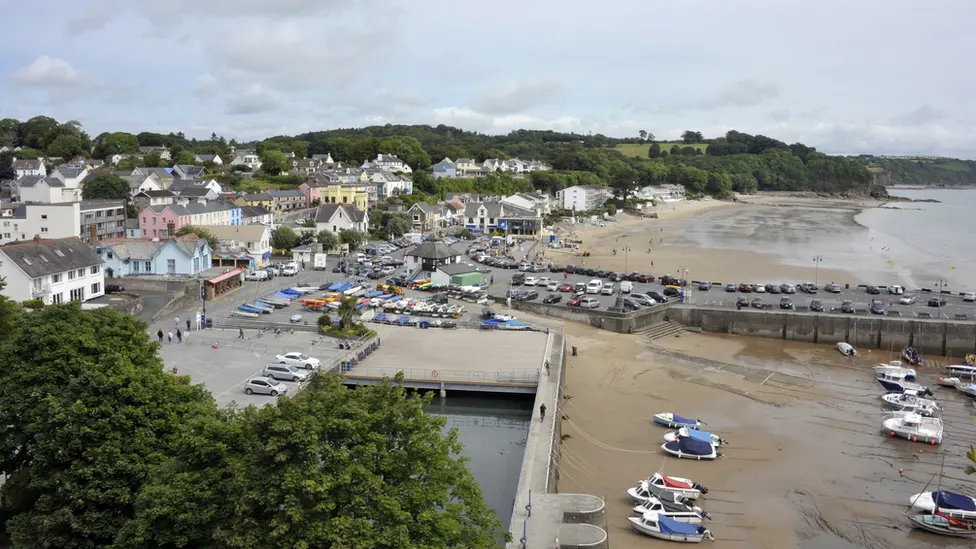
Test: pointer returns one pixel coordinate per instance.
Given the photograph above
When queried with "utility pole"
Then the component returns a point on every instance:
(816, 280)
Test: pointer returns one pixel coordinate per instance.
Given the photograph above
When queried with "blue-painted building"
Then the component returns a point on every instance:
(444, 168)
(236, 216)
(181, 256)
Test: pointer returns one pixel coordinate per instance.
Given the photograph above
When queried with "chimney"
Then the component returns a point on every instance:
(93, 234)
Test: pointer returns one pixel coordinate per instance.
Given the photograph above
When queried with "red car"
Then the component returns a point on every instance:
(645, 278)
(575, 302)
(566, 288)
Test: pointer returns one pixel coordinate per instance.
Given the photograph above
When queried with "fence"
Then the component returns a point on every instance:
(527, 376)
(233, 323)
(555, 434)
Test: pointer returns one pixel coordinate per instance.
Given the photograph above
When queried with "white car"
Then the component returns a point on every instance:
(543, 281)
(284, 372)
(607, 289)
(626, 287)
(589, 303)
(759, 288)
(289, 270)
(907, 300)
(531, 281)
(265, 386)
(895, 289)
(257, 275)
(594, 286)
(970, 297)
(300, 360)
(552, 286)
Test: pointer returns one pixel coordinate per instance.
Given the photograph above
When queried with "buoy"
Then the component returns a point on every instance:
(901, 471)
(892, 433)
(921, 451)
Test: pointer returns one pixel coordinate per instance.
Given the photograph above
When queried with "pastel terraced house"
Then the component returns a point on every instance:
(165, 221)
(182, 256)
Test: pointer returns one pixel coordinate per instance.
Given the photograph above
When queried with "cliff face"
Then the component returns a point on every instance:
(947, 172)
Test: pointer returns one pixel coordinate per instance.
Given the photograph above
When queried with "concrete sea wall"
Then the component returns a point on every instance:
(929, 336)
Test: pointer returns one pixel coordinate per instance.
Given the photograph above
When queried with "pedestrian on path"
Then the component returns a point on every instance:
(188, 324)
(159, 334)
(177, 323)
(240, 333)
(542, 412)
(169, 336)
(547, 367)
(179, 337)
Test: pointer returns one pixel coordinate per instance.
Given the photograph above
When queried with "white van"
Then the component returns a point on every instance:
(594, 286)
(626, 287)
(257, 275)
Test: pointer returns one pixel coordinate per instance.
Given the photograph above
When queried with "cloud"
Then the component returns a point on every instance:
(254, 99)
(205, 85)
(48, 72)
(513, 97)
(744, 93)
(919, 117)
(467, 118)
(780, 115)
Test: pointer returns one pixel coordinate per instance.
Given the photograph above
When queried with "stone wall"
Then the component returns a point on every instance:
(608, 320)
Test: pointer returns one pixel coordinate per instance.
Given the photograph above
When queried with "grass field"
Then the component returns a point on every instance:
(640, 150)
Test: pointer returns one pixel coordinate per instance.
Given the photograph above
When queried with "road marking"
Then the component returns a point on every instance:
(767, 379)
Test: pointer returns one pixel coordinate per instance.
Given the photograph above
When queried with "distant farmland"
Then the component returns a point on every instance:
(640, 150)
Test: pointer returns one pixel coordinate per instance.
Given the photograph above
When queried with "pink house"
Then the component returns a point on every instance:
(154, 221)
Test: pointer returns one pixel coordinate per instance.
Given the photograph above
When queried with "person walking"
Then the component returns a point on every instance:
(188, 324)
(177, 323)
(159, 334)
(169, 336)
(240, 333)
(179, 336)
(547, 368)
(542, 412)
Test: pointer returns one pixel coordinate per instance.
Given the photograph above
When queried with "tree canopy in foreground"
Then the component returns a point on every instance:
(105, 449)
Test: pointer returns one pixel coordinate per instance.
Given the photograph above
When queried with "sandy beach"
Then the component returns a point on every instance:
(807, 465)
(759, 239)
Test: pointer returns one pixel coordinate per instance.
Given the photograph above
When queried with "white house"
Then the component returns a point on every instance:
(178, 186)
(535, 202)
(141, 183)
(336, 217)
(119, 157)
(25, 167)
(71, 175)
(253, 240)
(48, 221)
(388, 163)
(246, 158)
(163, 152)
(54, 271)
(48, 190)
(212, 158)
(582, 198)
(187, 171)
(256, 215)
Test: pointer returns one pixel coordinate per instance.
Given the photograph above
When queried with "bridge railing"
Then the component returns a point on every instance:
(525, 376)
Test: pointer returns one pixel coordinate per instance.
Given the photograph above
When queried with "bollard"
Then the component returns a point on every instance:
(574, 350)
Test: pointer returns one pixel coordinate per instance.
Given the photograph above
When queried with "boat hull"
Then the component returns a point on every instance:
(932, 524)
(670, 423)
(638, 527)
(925, 503)
(689, 517)
(900, 431)
(679, 454)
(672, 436)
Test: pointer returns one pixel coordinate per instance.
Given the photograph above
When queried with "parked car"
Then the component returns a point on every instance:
(626, 287)
(529, 295)
(607, 289)
(114, 288)
(300, 360)
(968, 297)
(552, 298)
(816, 305)
(877, 307)
(579, 288)
(745, 288)
(289, 270)
(847, 306)
(758, 288)
(643, 299)
(567, 287)
(757, 303)
(785, 303)
(730, 287)
(832, 288)
(937, 302)
(530, 281)
(552, 286)
(594, 286)
(773, 289)
(631, 304)
(704, 286)
(589, 303)
(257, 275)
(787, 288)
(895, 289)
(284, 372)
(656, 296)
(265, 386)
(908, 299)
(808, 287)
(673, 291)
(575, 302)
(518, 279)
(743, 301)
(873, 290)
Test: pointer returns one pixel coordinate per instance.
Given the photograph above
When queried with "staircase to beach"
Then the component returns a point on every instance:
(660, 330)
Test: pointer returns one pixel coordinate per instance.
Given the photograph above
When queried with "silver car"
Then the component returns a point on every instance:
(284, 372)
(265, 386)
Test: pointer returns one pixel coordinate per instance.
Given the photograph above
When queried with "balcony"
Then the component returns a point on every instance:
(40, 290)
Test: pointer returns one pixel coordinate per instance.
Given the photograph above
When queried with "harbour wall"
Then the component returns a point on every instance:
(928, 336)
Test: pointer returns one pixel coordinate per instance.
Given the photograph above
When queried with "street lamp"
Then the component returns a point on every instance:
(941, 285)
(816, 280)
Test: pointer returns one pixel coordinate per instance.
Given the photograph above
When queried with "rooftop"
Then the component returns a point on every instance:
(43, 257)
(433, 250)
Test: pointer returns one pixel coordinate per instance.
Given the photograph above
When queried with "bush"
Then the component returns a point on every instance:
(325, 321)
(34, 304)
(355, 331)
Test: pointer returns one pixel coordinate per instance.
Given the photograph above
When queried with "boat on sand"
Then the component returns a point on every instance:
(689, 448)
(662, 527)
(659, 484)
(914, 427)
(680, 512)
(949, 503)
(674, 421)
(911, 402)
(703, 436)
(946, 525)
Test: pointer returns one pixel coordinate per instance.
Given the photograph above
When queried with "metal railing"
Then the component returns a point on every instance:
(526, 376)
(559, 345)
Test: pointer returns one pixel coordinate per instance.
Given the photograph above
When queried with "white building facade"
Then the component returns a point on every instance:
(54, 271)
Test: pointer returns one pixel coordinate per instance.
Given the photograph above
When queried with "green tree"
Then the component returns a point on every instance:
(100, 415)
(353, 238)
(654, 151)
(10, 313)
(424, 182)
(184, 157)
(308, 222)
(274, 162)
(691, 137)
(117, 143)
(34, 132)
(327, 239)
(332, 467)
(324, 322)
(463, 233)
(7, 165)
(347, 312)
(153, 160)
(199, 232)
(675, 150)
(643, 135)
(108, 186)
(396, 223)
(407, 149)
(284, 238)
(66, 146)
(611, 208)
(9, 128)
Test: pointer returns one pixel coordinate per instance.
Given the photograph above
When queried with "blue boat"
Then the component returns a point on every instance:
(335, 286)
(293, 291)
(263, 309)
(265, 304)
(896, 382)
(373, 294)
(283, 295)
(703, 436)
(689, 448)
(674, 421)
(343, 287)
(248, 309)
(659, 526)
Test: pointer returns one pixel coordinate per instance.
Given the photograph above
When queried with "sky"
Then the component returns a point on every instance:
(871, 76)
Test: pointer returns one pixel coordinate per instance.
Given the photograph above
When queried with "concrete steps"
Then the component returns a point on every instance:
(660, 330)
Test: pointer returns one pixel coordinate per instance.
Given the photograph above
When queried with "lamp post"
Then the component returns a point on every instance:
(816, 280)
(688, 283)
(941, 285)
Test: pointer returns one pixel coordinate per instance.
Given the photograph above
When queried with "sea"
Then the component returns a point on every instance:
(493, 431)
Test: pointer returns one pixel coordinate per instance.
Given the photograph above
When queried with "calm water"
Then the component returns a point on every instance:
(493, 432)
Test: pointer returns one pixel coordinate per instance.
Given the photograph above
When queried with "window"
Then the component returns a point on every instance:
(43, 229)
(81, 273)
(171, 266)
(94, 270)
(96, 288)
(71, 275)
(56, 298)
(78, 294)
(56, 278)
(148, 266)
(135, 266)
(43, 216)
(143, 219)
(109, 254)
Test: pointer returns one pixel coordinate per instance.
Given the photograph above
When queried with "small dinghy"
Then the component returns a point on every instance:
(896, 382)
(662, 527)
(846, 349)
(894, 367)
(914, 427)
(945, 525)
(689, 448)
(945, 502)
(949, 382)
(665, 488)
(911, 356)
(674, 421)
(967, 389)
(703, 436)
(679, 512)
(909, 401)
(961, 370)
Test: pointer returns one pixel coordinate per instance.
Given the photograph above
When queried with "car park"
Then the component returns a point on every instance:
(832, 288)
(785, 303)
(265, 386)
(937, 302)
(608, 288)
(816, 305)
(284, 372)
(847, 306)
(907, 299)
(877, 307)
(300, 360)
(552, 298)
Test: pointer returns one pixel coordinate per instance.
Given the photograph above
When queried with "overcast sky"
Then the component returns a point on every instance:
(881, 76)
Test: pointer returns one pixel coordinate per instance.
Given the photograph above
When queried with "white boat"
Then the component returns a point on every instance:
(674, 421)
(967, 389)
(659, 484)
(681, 512)
(846, 349)
(943, 524)
(962, 370)
(703, 436)
(914, 427)
(947, 503)
(894, 367)
(689, 448)
(910, 402)
(949, 381)
(897, 382)
(662, 527)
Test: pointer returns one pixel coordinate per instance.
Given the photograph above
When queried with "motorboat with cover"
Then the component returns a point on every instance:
(968, 389)
(703, 436)
(895, 382)
(689, 448)
(949, 382)
(674, 421)
(662, 527)
(894, 367)
(961, 370)
(665, 488)
(911, 356)
(946, 502)
(946, 525)
(679, 512)
(846, 349)
(914, 427)
(909, 401)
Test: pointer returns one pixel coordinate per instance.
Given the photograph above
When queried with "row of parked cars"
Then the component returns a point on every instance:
(278, 269)
(294, 367)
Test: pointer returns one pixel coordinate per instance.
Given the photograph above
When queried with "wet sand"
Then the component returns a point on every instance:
(807, 465)
(760, 239)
